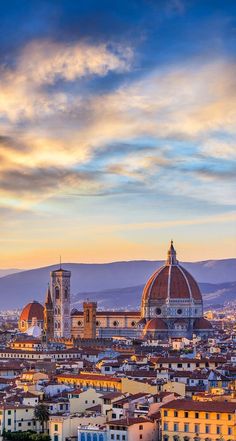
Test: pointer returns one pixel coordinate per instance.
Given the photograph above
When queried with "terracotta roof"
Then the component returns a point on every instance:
(33, 309)
(202, 323)
(128, 421)
(155, 324)
(201, 406)
(75, 312)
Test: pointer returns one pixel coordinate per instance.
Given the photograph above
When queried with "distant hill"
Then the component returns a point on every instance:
(130, 298)
(7, 272)
(19, 288)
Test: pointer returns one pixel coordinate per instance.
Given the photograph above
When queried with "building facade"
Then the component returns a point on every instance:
(187, 420)
(60, 291)
(171, 307)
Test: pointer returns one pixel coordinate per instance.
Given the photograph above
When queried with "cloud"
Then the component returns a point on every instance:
(222, 218)
(49, 132)
(44, 63)
(221, 149)
(32, 185)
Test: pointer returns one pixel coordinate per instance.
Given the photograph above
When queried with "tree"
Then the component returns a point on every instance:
(41, 413)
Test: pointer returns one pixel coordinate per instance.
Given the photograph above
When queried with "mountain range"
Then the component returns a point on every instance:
(111, 284)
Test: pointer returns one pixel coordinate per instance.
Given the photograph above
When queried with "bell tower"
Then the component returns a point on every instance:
(60, 289)
(48, 313)
(90, 309)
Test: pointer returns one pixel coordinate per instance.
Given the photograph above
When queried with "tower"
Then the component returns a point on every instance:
(60, 289)
(90, 309)
(48, 316)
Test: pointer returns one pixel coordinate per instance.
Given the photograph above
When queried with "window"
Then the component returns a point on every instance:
(218, 416)
(56, 427)
(175, 413)
(229, 417)
(176, 427)
(186, 428)
(229, 430)
(9, 412)
(218, 430)
(123, 437)
(140, 436)
(165, 412)
(141, 427)
(66, 294)
(165, 426)
(208, 429)
(57, 293)
(29, 423)
(185, 414)
(9, 422)
(112, 436)
(196, 428)
(19, 424)
(196, 415)
(207, 416)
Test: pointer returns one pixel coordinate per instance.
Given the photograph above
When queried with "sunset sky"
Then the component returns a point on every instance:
(117, 130)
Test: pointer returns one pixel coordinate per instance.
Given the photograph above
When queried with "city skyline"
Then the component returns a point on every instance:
(117, 131)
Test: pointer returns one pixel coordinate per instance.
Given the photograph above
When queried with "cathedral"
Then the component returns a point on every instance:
(171, 307)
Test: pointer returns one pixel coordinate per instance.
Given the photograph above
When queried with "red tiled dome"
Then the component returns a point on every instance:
(155, 324)
(171, 281)
(32, 310)
(202, 323)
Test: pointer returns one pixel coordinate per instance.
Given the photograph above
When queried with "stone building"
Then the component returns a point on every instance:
(171, 306)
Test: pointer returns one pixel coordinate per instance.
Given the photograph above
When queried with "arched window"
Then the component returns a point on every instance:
(95, 437)
(55, 325)
(89, 438)
(87, 316)
(57, 292)
(115, 323)
(101, 437)
(66, 294)
(82, 437)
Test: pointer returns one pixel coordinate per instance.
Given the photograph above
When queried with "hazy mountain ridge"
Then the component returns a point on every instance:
(130, 297)
(19, 288)
(8, 272)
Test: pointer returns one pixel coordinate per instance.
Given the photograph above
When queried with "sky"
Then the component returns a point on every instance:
(117, 130)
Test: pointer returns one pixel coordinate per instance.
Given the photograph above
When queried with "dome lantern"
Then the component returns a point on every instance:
(171, 255)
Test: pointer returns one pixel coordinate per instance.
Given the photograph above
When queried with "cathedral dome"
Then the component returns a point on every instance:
(155, 324)
(201, 323)
(171, 281)
(33, 310)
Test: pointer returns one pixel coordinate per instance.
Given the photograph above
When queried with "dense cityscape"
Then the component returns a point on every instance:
(117, 220)
(165, 373)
